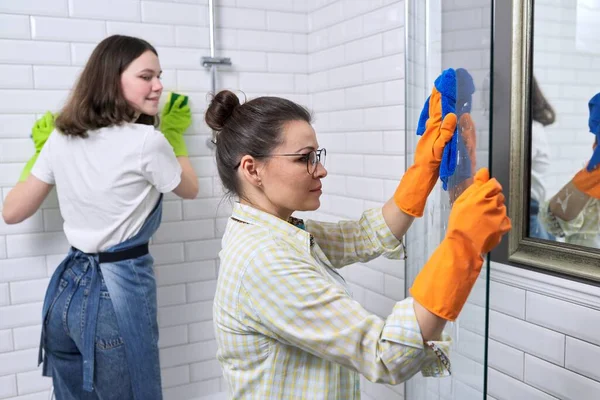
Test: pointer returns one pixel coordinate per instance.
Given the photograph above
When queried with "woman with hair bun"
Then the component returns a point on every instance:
(286, 325)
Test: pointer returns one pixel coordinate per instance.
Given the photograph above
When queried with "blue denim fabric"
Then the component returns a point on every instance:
(100, 330)
(536, 230)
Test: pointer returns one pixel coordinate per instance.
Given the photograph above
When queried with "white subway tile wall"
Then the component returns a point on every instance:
(353, 79)
(543, 337)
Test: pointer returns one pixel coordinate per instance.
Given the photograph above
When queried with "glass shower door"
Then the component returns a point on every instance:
(440, 35)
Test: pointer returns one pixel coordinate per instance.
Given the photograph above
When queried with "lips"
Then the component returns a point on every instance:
(317, 189)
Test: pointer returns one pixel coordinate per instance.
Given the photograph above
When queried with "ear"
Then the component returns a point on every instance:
(250, 168)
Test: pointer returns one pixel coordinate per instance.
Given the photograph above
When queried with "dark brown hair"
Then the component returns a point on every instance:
(97, 101)
(253, 128)
(541, 110)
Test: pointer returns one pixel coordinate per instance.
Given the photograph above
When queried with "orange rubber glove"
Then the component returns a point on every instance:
(588, 182)
(419, 180)
(476, 225)
(468, 134)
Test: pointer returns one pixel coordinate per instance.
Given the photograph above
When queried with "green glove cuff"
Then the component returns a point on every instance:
(177, 143)
(28, 167)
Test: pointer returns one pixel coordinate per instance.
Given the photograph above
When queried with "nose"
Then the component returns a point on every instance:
(157, 85)
(320, 172)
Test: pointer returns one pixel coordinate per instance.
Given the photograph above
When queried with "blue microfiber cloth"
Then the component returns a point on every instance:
(446, 85)
(456, 88)
(594, 124)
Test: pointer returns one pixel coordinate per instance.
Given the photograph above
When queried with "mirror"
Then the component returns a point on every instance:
(544, 94)
(565, 118)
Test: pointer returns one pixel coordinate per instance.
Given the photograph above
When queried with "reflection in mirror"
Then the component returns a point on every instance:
(565, 124)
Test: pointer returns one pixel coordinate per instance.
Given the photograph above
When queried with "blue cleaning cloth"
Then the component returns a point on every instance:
(594, 124)
(456, 88)
(446, 85)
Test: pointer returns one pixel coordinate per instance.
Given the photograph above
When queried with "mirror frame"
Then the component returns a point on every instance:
(511, 88)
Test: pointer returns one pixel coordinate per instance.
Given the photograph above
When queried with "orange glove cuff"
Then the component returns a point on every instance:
(413, 190)
(444, 283)
(588, 182)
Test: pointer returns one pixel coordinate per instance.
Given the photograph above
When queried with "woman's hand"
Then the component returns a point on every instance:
(419, 180)
(175, 118)
(40, 133)
(476, 225)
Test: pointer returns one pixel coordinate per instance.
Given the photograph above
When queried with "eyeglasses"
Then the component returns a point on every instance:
(312, 159)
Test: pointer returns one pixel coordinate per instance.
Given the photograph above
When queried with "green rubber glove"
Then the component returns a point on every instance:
(40, 132)
(175, 118)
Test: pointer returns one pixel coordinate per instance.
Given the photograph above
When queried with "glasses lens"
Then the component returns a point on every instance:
(314, 158)
(311, 163)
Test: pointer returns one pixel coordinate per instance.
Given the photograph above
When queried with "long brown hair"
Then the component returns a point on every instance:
(97, 101)
(541, 110)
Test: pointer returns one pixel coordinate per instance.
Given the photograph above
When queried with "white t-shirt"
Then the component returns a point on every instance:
(109, 182)
(540, 161)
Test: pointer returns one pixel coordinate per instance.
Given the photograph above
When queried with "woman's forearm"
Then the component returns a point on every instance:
(431, 325)
(568, 202)
(396, 219)
(24, 199)
(189, 186)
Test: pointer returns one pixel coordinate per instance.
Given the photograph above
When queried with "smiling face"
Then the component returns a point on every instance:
(141, 84)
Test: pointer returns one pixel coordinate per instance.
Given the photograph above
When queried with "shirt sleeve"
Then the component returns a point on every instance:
(557, 226)
(42, 169)
(348, 242)
(586, 222)
(288, 299)
(159, 164)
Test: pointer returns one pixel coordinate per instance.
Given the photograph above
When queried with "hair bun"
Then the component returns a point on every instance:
(220, 109)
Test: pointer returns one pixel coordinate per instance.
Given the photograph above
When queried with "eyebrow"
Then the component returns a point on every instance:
(307, 148)
(150, 70)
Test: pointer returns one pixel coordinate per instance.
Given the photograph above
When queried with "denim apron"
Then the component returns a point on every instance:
(126, 269)
(536, 229)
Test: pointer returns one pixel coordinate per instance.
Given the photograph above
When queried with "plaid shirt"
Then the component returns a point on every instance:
(286, 325)
(583, 230)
